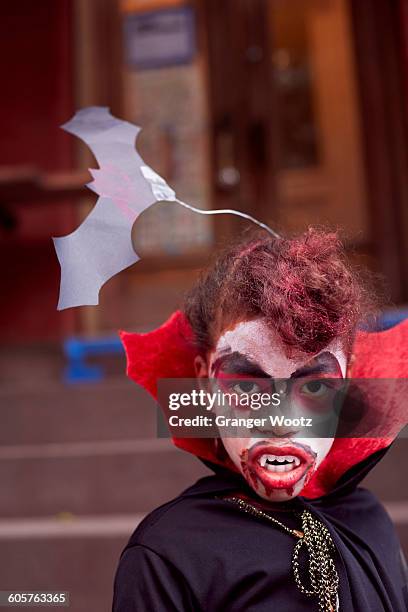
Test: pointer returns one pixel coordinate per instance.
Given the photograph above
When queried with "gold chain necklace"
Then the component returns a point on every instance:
(323, 577)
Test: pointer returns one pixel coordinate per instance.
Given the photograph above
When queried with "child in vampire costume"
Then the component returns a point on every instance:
(282, 524)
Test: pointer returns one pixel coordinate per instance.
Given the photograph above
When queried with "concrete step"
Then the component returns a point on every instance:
(117, 476)
(128, 475)
(53, 412)
(82, 565)
(94, 477)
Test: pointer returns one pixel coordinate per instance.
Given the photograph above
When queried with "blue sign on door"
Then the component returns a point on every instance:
(160, 38)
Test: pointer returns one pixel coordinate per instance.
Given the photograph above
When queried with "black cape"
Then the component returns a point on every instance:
(201, 553)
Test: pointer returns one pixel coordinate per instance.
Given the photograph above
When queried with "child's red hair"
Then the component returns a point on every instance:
(304, 287)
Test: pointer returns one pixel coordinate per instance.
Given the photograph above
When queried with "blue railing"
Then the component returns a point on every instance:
(78, 350)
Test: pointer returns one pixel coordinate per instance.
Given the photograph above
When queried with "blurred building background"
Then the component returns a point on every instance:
(294, 111)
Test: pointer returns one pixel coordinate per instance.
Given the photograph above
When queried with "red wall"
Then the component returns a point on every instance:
(36, 97)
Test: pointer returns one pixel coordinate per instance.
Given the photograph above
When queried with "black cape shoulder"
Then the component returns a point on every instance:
(200, 552)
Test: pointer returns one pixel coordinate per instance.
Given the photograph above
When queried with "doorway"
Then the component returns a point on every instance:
(288, 98)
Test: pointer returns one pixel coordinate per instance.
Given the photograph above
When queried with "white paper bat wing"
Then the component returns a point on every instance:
(112, 141)
(93, 253)
(104, 134)
(101, 247)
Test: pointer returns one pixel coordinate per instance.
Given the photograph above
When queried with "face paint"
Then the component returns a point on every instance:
(255, 341)
(278, 466)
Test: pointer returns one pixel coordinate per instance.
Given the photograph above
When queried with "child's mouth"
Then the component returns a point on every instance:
(279, 466)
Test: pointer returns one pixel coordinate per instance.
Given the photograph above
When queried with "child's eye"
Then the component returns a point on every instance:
(315, 388)
(246, 386)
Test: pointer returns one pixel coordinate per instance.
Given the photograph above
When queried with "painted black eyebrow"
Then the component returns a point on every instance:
(237, 363)
(328, 365)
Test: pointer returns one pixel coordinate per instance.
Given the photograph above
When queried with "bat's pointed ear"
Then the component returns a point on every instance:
(86, 120)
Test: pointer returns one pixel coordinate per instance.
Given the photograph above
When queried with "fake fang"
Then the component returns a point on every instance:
(276, 463)
(265, 464)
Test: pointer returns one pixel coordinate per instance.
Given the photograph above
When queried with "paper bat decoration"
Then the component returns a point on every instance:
(101, 246)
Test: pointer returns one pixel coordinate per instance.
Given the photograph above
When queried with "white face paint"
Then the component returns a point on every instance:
(260, 344)
(278, 466)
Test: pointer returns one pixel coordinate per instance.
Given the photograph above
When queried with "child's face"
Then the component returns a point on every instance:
(279, 461)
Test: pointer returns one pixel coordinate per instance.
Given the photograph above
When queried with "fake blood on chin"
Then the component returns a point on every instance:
(268, 476)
